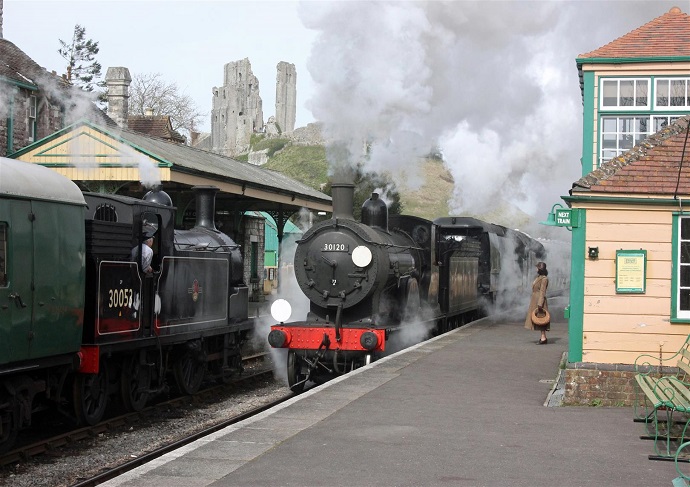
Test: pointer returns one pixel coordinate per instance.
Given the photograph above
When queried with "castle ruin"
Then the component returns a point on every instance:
(286, 97)
(237, 110)
(237, 107)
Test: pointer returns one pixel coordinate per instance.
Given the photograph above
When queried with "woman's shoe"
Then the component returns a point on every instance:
(543, 342)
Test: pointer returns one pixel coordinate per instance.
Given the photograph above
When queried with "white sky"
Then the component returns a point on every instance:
(188, 42)
(492, 84)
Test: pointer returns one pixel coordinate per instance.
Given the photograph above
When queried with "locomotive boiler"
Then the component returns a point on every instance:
(81, 321)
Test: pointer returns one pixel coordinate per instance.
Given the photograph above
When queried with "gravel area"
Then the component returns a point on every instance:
(70, 465)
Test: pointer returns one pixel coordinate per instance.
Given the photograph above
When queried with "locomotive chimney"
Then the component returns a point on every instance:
(343, 200)
(205, 206)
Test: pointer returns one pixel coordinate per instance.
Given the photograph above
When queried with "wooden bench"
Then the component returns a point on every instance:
(663, 389)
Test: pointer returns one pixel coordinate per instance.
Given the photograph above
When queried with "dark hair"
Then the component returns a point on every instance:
(541, 269)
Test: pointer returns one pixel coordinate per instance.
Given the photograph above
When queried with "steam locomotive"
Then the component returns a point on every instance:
(371, 283)
(81, 323)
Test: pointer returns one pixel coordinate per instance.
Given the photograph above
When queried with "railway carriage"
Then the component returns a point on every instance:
(81, 324)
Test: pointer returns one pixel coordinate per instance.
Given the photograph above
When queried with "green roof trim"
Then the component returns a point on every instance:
(631, 60)
(627, 200)
(20, 84)
(161, 162)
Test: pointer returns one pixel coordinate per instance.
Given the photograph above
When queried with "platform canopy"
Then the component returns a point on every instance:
(115, 160)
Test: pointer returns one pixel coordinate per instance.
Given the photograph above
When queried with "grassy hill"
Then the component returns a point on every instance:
(308, 164)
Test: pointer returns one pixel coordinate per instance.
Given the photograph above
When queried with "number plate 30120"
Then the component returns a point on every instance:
(335, 247)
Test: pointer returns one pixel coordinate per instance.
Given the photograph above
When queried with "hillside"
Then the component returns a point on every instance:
(308, 164)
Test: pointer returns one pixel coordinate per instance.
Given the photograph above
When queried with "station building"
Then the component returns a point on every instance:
(630, 211)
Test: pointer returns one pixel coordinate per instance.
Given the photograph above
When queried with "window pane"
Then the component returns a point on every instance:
(641, 124)
(625, 124)
(685, 252)
(659, 123)
(609, 124)
(625, 141)
(627, 93)
(662, 93)
(642, 93)
(685, 228)
(678, 93)
(610, 93)
(609, 141)
(685, 276)
(684, 299)
(608, 154)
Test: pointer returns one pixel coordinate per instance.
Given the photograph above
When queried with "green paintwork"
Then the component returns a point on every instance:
(47, 252)
(588, 123)
(577, 289)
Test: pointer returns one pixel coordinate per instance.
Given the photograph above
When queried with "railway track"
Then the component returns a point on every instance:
(142, 460)
(69, 436)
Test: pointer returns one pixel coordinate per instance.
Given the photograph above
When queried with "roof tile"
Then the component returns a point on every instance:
(665, 36)
(660, 165)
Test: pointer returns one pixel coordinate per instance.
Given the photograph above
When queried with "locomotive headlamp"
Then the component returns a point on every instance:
(369, 340)
(361, 256)
(281, 310)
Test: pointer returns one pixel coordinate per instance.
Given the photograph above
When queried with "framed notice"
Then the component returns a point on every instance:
(631, 271)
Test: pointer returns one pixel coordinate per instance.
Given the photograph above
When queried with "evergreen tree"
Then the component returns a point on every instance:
(82, 68)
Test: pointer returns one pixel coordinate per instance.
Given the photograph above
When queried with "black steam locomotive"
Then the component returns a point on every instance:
(82, 323)
(371, 284)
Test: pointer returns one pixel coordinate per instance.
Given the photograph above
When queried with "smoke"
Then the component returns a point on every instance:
(288, 290)
(493, 85)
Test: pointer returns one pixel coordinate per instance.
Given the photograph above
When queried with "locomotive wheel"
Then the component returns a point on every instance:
(90, 395)
(189, 373)
(296, 380)
(134, 385)
(10, 429)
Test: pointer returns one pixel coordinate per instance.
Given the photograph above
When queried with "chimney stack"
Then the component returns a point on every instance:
(118, 80)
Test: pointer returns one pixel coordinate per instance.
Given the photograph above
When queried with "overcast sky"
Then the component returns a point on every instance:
(493, 84)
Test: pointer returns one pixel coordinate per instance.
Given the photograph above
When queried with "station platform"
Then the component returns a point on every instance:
(474, 407)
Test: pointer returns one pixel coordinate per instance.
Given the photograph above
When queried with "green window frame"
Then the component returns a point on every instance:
(680, 273)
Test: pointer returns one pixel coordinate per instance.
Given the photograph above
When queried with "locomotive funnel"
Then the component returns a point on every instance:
(205, 206)
(343, 200)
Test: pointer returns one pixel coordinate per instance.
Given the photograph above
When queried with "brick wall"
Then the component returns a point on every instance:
(591, 384)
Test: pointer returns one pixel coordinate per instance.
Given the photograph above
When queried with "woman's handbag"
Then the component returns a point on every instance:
(541, 317)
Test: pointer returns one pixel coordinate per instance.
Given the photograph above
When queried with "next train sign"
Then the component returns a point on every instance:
(567, 218)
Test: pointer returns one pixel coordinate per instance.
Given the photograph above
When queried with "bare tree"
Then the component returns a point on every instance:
(150, 91)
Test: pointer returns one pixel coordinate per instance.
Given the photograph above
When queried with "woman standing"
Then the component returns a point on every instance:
(538, 301)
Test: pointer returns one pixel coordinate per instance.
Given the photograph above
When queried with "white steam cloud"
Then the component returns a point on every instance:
(493, 85)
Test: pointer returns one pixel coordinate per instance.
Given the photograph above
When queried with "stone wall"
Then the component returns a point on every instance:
(254, 232)
(15, 106)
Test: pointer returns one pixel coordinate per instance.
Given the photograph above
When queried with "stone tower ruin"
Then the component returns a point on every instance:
(237, 110)
(286, 97)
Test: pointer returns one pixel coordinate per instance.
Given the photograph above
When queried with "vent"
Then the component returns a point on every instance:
(105, 213)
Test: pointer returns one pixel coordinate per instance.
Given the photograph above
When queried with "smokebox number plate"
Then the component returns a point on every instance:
(335, 247)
